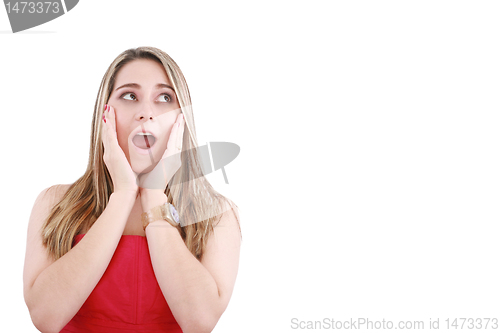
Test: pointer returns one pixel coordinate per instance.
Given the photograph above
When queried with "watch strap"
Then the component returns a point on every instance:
(165, 212)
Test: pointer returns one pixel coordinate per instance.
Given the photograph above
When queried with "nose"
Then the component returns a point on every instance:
(145, 113)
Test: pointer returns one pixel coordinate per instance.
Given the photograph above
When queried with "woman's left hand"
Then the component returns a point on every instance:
(157, 179)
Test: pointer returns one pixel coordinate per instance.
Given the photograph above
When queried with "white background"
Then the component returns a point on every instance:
(368, 177)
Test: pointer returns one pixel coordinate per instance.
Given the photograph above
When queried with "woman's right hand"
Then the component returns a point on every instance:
(124, 178)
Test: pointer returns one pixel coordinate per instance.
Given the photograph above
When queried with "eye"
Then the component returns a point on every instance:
(165, 98)
(133, 98)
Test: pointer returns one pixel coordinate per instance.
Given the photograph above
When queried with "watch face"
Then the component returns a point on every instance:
(173, 211)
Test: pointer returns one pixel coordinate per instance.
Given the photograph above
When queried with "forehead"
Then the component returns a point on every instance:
(142, 71)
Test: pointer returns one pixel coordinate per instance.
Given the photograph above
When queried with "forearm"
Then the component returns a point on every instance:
(190, 290)
(61, 289)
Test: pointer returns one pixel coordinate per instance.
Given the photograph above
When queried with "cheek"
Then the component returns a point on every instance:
(167, 130)
(167, 121)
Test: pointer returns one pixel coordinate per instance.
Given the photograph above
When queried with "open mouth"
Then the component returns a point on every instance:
(144, 140)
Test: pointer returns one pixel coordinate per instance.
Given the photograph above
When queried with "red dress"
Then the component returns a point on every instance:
(128, 297)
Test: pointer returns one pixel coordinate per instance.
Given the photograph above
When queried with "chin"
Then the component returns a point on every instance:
(142, 164)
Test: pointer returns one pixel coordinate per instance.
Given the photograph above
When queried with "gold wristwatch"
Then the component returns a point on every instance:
(165, 212)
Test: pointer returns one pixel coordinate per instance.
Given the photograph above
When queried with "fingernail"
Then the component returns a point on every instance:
(105, 107)
(104, 118)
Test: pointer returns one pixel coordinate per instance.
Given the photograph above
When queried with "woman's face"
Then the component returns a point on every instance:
(146, 108)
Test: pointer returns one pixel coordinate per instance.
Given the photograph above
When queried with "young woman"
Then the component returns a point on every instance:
(141, 242)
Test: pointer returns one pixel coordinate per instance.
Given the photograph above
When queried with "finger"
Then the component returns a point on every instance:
(180, 133)
(112, 123)
(104, 127)
(172, 140)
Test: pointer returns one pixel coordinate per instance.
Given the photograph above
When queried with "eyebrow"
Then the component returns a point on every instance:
(136, 85)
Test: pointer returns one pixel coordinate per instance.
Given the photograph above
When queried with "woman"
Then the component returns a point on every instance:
(141, 242)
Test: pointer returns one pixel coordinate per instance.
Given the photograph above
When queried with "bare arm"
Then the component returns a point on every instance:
(196, 292)
(54, 291)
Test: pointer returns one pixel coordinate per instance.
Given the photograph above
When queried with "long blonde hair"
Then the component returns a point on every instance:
(199, 205)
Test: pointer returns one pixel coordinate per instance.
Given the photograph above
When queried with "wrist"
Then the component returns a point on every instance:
(152, 198)
(159, 224)
(124, 196)
(162, 213)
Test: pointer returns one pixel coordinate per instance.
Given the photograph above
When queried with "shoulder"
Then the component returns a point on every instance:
(229, 216)
(44, 203)
(51, 195)
(59, 190)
